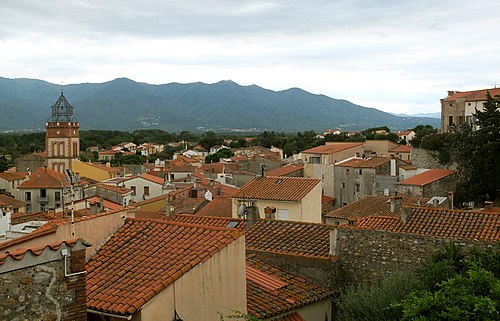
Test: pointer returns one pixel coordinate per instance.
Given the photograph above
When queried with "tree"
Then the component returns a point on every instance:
(210, 139)
(476, 150)
(422, 131)
(221, 153)
(4, 163)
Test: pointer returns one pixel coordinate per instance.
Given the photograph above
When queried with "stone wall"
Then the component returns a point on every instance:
(421, 158)
(42, 292)
(367, 255)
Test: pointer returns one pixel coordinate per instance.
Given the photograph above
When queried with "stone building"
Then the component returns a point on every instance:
(433, 182)
(459, 107)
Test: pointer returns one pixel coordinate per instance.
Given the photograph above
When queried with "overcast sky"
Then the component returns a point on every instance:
(397, 56)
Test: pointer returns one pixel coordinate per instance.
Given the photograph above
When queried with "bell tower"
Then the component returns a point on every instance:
(62, 138)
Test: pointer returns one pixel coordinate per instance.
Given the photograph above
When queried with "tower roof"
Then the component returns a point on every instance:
(62, 111)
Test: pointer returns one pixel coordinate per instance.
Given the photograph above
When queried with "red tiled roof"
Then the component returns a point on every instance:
(372, 206)
(404, 133)
(292, 189)
(440, 223)
(144, 257)
(272, 291)
(13, 176)
(401, 149)
(372, 162)
(20, 253)
(107, 204)
(6, 200)
(155, 215)
(331, 148)
(327, 199)
(117, 189)
(294, 316)
(153, 178)
(285, 170)
(187, 205)
(45, 178)
(427, 177)
(109, 169)
(209, 221)
(475, 95)
(182, 168)
(289, 237)
(18, 218)
(219, 206)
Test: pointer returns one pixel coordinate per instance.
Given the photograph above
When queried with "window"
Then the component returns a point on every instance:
(356, 187)
(133, 189)
(450, 120)
(282, 214)
(146, 190)
(343, 185)
(314, 160)
(360, 171)
(347, 171)
(57, 196)
(43, 192)
(460, 120)
(27, 196)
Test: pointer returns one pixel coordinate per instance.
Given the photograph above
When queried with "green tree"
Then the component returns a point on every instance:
(222, 153)
(4, 164)
(210, 139)
(422, 131)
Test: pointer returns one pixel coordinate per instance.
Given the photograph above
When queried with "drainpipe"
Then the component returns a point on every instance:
(65, 254)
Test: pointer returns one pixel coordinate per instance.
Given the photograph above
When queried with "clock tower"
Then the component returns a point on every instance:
(62, 138)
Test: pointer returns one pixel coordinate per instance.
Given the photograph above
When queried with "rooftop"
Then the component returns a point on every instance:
(289, 238)
(13, 176)
(475, 95)
(285, 170)
(427, 177)
(372, 162)
(45, 178)
(331, 148)
(292, 189)
(144, 257)
(219, 206)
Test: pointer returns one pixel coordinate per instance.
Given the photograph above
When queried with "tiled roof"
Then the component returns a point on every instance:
(117, 189)
(156, 215)
(219, 206)
(440, 223)
(13, 176)
(18, 218)
(45, 178)
(404, 133)
(427, 177)
(292, 189)
(378, 205)
(6, 200)
(20, 253)
(209, 221)
(285, 170)
(182, 168)
(109, 169)
(144, 257)
(401, 149)
(106, 203)
(187, 205)
(372, 162)
(272, 291)
(153, 178)
(289, 237)
(475, 95)
(294, 316)
(331, 148)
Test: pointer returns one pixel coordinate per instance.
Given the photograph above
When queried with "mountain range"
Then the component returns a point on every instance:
(123, 104)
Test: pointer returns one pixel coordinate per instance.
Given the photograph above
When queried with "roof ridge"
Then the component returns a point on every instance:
(170, 222)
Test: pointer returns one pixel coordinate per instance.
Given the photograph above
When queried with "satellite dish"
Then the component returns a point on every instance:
(242, 210)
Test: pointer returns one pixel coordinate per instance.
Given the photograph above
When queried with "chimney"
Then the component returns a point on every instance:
(450, 198)
(263, 170)
(405, 214)
(108, 164)
(333, 241)
(94, 208)
(435, 202)
(101, 204)
(252, 215)
(270, 212)
(488, 204)
(396, 203)
(393, 167)
(450, 92)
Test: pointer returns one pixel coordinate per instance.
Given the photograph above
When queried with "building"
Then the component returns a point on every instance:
(282, 198)
(10, 181)
(459, 107)
(331, 153)
(143, 186)
(357, 178)
(96, 171)
(406, 135)
(167, 271)
(434, 182)
(62, 140)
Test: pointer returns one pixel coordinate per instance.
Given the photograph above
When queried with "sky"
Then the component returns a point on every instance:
(396, 56)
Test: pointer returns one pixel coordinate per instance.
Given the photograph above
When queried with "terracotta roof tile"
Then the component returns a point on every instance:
(292, 189)
(45, 178)
(427, 177)
(18, 218)
(372, 162)
(144, 257)
(153, 178)
(285, 170)
(272, 291)
(113, 188)
(331, 148)
(440, 223)
(182, 168)
(475, 95)
(401, 149)
(187, 205)
(289, 237)
(19, 254)
(219, 206)
(294, 316)
(6, 200)
(13, 176)
(372, 206)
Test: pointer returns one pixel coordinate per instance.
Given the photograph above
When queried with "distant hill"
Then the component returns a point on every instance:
(430, 115)
(123, 104)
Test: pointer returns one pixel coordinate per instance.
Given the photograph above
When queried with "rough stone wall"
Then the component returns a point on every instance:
(421, 158)
(42, 292)
(324, 172)
(441, 187)
(365, 256)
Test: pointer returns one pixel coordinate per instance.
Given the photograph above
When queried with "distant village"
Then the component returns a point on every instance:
(224, 233)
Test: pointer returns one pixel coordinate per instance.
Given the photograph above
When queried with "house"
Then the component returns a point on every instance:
(219, 207)
(459, 107)
(47, 189)
(402, 152)
(10, 181)
(406, 135)
(96, 171)
(290, 170)
(360, 177)
(377, 205)
(115, 194)
(380, 148)
(288, 198)
(13, 205)
(434, 182)
(108, 155)
(161, 268)
(143, 186)
(178, 172)
(216, 148)
(331, 153)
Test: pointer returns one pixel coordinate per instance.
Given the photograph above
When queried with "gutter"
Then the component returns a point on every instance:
(126, 317)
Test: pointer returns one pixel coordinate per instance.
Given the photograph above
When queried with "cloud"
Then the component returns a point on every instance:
(392, 55)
